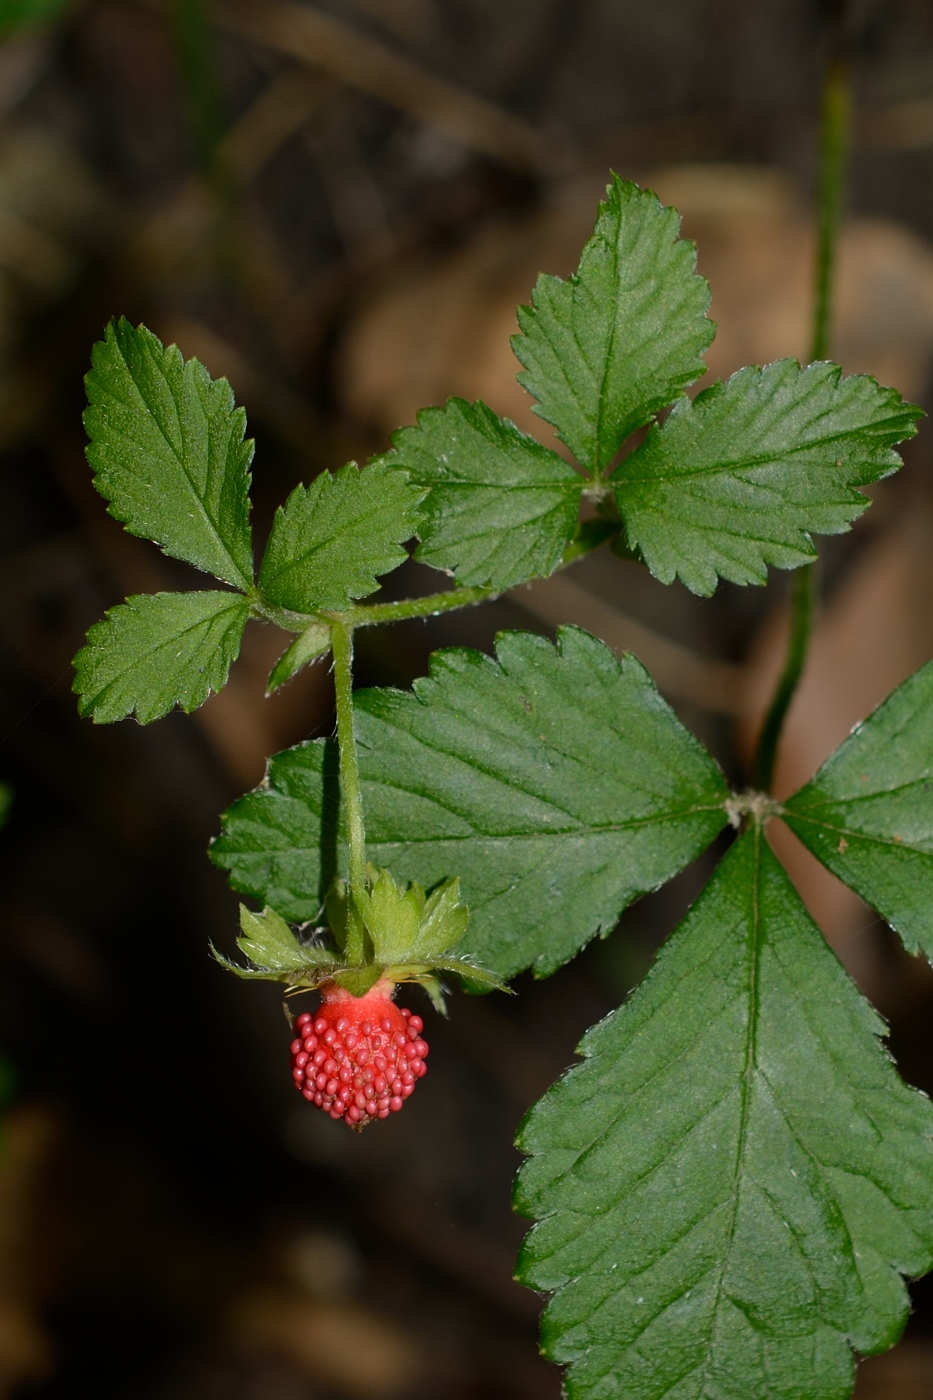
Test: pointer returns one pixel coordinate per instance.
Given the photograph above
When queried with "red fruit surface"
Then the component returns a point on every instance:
(358, 1058)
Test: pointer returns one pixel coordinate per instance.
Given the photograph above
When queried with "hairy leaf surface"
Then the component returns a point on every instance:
(331, 540)
(868, 813)
(168, 453)
(604, 351)
(741, 476)
(554, 781)
(158, 650)
(501, 508)
(730, 1185)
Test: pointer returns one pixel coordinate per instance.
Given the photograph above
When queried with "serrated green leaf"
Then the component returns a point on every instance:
(168, 453)
(501, 509)
(868, 813)
(443, 923)
(392, 916)
(268, 942)
(741, 477)
(158, 650)
(605, 351)
(275, 953)
(555, 782)
(730, 1186)
(331, 540)
(309, 645)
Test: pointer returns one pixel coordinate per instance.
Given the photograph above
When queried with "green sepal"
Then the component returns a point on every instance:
(269, 942)
(309, 645)
(460, 968)
(410, 937)
(392, 917)
(404, 925)
(443, 922)
(358, 980)
(276, 954)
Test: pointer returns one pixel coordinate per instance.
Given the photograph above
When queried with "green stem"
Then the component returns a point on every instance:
(342, 643)
(802, 610)
(834, 150)
(197, 65)
(430, 606)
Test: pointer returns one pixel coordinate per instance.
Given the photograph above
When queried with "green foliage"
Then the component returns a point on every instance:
(331, 539)
(868, 813)
(413, 937)
(22, 14)
(740, 477)
(501, 509)
(555, 782)
(156, 651)
(269, 943)
(730, 1183)
(168, 453)
(605, 351)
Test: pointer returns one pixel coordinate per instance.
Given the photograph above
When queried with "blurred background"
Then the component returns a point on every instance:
(338, 206)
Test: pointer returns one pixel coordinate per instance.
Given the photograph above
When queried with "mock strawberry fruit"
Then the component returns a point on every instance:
(358, 1058)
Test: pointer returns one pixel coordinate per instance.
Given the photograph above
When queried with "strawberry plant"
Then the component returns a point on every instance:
(731, 1186)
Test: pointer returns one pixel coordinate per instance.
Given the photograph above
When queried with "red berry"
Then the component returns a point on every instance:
(358, 1058)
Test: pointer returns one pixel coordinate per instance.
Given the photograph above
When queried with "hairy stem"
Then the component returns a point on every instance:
(190, 23)
(834, 149)
(342, 642)
(429, 606)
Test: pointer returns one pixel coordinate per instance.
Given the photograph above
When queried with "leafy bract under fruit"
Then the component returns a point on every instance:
(606, 350)
(554, 781)
(501, 507)
(168, 453)
(409, 937)
(868, 813)
(158, 650)
(332, 539)
(731, 1184)
(741, 476)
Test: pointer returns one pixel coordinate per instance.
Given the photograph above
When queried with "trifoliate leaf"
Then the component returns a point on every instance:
(331, 539)
(168, 453)
(731, 1184)
(742, 476)
(554, 781)
(868, 813)
(624, 336)
(158, 650)
(501, 507)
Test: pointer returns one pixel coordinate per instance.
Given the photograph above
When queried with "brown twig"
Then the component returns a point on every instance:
(363, 62)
